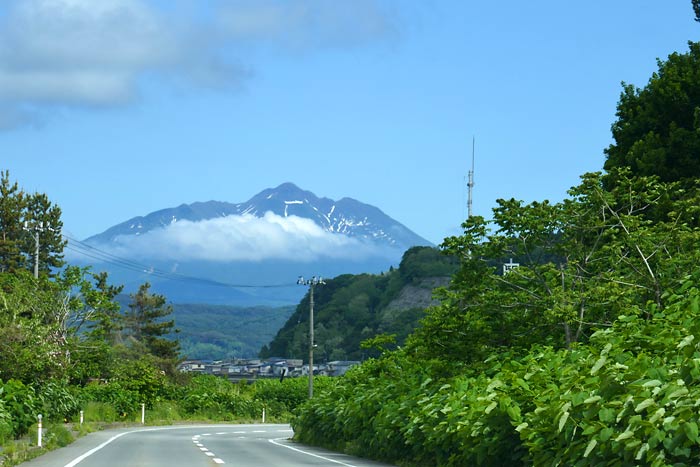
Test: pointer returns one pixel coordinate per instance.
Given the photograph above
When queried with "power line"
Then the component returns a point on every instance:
(124, 263)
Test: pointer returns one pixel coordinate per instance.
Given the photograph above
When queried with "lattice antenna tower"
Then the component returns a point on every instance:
(470, 183)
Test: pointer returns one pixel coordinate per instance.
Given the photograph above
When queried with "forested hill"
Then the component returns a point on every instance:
(352, 308)
(215, 332)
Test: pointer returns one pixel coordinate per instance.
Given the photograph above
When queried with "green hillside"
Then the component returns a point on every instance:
(216, 332)
(352, 308)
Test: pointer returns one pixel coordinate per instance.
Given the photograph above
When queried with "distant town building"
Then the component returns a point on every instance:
(254, 368)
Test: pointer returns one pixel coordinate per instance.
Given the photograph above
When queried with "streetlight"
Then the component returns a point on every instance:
(311, 283)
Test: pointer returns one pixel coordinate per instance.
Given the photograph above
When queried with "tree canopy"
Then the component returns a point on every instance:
(657, 131)
(25, 219)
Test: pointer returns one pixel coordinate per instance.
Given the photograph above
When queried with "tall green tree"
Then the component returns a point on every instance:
(12, 205)
(44, 218)
(657, 131)
(147, 325)
(95, 326)
(582, 263)
(24, 220)
(40, 323)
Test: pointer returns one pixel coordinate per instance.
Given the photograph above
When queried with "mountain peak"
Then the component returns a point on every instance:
(285, 192)
(260, 241)
(347, 216)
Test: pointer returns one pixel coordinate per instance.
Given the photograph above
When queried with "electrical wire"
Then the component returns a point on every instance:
(93, 252)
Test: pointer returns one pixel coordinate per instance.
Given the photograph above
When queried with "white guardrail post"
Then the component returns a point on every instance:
(38, 432)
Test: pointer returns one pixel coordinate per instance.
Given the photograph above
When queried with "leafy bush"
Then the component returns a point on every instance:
(629, 397)
(635, 395)
(57, 436)
(22, 405)
(99, 412)
(123, 400)
(142, 377)
(5, 423)
(164, 412)
(282, 397)
(218, 399)
(56, 401)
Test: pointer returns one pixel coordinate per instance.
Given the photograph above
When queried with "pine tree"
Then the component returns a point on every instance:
(146, 324)
(22, 217)
(46, 216)
(12, 204)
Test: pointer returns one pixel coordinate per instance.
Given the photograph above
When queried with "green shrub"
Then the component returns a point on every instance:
(629, 397)
(164, 412)
(218, 399)
(22, 405)
(56, 436)
(56, 401)
(142, 378)
(6, 430)
(99, 412)
(123, 400)
(283, 397)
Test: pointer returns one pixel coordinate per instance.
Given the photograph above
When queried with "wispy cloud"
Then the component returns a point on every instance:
(242, 238)
(306, 24)
(93, 53)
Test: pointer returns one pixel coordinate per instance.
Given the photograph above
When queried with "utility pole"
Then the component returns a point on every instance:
(37, 228)
(314, 281)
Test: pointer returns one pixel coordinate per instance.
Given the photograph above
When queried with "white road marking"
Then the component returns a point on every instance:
(275, 442)
(221, 433)
(92, 451)
(210, 454)
(203, 449)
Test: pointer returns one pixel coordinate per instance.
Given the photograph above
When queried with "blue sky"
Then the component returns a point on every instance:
(118, 108)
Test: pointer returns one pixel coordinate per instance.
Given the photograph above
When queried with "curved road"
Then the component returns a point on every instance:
(195, 446)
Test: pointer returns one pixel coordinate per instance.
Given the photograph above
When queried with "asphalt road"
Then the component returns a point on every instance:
(195, 446)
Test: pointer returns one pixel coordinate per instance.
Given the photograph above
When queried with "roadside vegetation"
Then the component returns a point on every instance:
(68, 346)
(118, 402)
(587, 353)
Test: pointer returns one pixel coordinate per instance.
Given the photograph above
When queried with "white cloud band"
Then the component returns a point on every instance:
(242, 238)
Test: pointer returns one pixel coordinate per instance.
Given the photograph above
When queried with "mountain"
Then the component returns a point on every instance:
(249, 253)
(346, 216)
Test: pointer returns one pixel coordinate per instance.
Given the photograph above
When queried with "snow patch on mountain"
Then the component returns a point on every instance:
(243, 238)
(346, 218)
